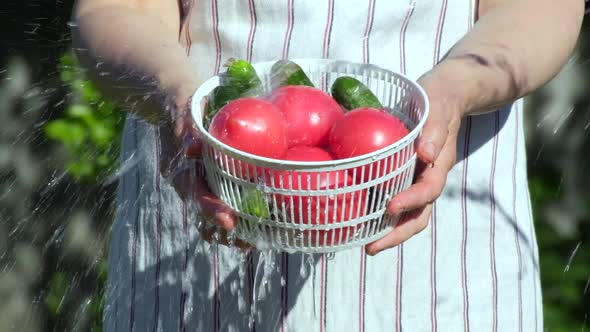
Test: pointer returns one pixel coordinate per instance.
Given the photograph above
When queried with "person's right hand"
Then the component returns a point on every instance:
(218, 219)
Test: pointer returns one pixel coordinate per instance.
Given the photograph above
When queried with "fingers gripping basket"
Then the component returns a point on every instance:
(317, 206)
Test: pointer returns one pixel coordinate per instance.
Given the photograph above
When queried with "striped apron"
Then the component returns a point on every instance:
(475, 267)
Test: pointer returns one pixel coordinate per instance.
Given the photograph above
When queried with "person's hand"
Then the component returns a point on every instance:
(218, 219)
(436, 149)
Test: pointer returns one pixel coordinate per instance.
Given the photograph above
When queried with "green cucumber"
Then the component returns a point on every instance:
(254, 202)
(351, 93)
(219, 97)
(242, 75)
(239, 80)
(288, 73)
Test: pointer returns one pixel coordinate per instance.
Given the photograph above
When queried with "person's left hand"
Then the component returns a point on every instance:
(217, 218)
(436, 149)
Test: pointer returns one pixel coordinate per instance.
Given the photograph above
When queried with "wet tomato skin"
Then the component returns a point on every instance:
(307, 153)
(310, 114)
(365, 130)
(318, 209)
(252, 125)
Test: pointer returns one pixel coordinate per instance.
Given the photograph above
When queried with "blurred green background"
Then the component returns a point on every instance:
(59, 140)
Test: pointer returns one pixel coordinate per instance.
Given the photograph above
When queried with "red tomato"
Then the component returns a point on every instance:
(318, 209)
(251, 125)
(307, 153)
(309, 180)
(310, 113)
(355, 206)
(363, 131)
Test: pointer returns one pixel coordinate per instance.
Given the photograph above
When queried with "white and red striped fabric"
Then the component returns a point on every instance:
(475, 268)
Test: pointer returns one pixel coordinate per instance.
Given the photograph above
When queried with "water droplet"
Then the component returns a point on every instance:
(215, 237)
(234, 287)
(569, 261)
(303, 269)
(231, 238)
(562, 120)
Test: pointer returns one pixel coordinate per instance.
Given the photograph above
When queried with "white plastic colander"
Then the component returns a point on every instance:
(316, 207)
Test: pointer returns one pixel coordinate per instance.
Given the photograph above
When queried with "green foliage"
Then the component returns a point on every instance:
(566, 293)
(90, 128)
(57, 298)
(56, 294)
(98, 298)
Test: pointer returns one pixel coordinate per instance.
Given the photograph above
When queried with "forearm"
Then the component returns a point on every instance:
(514, 48)
(134, 57)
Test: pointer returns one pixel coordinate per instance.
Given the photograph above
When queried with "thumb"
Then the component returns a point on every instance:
(185, 129)
(444, 117)
(434, 135)
(191, 141)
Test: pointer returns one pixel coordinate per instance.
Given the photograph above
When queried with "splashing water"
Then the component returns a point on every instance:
(55, 231)
(572, 255)
(242, 283)
(562, 120)
(307, 262)
(266, 266)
